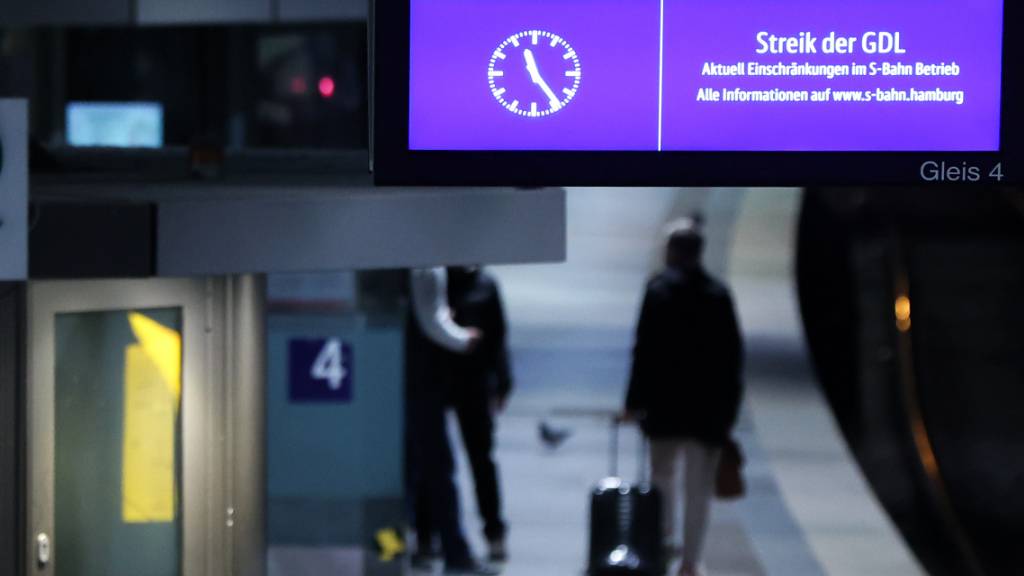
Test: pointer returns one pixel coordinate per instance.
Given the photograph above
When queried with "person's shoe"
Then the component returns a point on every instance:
(423, 562)
(498, 550)
(470, 567)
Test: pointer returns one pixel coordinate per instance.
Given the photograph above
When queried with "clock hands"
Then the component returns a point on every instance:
(508, 86)
(531, 67)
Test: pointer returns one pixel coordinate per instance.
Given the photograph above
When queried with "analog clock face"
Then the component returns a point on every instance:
(534, 73)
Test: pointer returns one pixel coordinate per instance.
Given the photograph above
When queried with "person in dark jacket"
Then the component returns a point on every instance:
(431, 336)
(481, 385)
(686, 384)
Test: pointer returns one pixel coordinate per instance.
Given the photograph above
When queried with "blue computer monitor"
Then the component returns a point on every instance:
(115, 124)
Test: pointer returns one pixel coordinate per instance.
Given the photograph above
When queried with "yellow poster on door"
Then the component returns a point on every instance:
(152, 397)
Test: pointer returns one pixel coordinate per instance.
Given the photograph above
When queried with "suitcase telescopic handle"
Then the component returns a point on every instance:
(641, 457)
(614, 460)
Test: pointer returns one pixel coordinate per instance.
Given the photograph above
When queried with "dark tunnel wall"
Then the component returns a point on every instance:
(968, 352)
(948, 389)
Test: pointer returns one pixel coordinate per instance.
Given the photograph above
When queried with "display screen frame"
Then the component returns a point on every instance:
(395, 164)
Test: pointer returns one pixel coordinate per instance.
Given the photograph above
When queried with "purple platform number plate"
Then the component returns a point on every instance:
(320, 370)
(706, 75)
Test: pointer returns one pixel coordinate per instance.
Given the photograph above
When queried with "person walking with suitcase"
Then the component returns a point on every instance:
(686, 383)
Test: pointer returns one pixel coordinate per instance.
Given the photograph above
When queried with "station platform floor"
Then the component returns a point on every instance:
(808, 512)
(547, 490)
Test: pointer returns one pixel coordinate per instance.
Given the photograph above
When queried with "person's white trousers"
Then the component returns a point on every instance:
(701, 465)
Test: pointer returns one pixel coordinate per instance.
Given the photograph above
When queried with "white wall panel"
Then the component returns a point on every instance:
(14, 190)
(323, 10)
(203, 11)
(373, 228)
(65, 12)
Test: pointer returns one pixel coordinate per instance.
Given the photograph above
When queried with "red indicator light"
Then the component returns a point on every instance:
(298, 85)
(326, 86)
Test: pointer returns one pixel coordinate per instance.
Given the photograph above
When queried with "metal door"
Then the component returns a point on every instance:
(132, 464)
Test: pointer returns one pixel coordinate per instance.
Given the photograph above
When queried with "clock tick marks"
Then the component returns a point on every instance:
(547, 74)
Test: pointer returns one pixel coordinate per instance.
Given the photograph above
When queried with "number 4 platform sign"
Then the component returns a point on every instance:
(320, 370)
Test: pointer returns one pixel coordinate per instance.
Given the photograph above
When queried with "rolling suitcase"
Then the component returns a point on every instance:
(625, 523)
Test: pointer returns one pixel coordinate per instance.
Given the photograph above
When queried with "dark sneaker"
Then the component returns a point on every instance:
(423, 562)
(498, 551)
(470, 567)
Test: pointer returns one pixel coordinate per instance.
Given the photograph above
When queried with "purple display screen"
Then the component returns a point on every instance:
(706, 75)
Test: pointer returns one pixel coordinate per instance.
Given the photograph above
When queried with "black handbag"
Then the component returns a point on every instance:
(729, 482)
